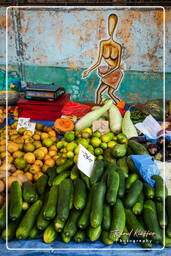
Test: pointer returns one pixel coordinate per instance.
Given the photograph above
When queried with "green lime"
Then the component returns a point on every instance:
(89, 130)
(69, 136)
(122, 138)
(77, 134)
(97, 134)
(103, 145)
(115, 138)
(98, 151)
(60, 144)
(107, 137)
(70, 154)
(100, 157)
(111, 144)
(90, 148)
(95, 142)
(83, 142)
(60, 161)
(71, 146)
(85, 135)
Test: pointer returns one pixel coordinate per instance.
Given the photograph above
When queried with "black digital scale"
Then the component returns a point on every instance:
(48, 92)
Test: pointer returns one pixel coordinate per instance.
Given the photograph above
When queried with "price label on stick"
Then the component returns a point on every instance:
(23, 122)
(85, 161)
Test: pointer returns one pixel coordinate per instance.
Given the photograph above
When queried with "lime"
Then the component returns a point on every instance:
(20, 163)
(71, 146)
(107, 137)
(115, 138)
(95, 142)
(47, 142)
(69, 136)
(78, 134)
(122, 138)
(98, 151)
(100, 157)
(85, 135)
(83, 142)
(111, 144)
(103, 145)
(70, 154)
(90, 148)
(97, 134)
(89, 130)
(60, 161)
(60, 144)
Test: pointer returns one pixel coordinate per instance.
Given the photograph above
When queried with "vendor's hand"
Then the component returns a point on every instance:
(85, 73)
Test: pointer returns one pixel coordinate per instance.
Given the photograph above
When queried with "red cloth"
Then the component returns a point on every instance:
(75, 109)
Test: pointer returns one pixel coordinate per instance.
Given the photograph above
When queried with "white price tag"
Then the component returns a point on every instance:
(85, 161)
(23, 122)
(31, 127)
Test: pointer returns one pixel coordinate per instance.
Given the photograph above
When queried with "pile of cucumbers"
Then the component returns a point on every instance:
(115, 205)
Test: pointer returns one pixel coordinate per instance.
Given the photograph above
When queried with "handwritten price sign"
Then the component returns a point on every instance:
(85, 161)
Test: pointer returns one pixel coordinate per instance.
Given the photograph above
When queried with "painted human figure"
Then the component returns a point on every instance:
(110, 74)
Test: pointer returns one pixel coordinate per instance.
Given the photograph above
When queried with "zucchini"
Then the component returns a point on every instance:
(9, 234)
(49, 234)
(74, 173)
(34, 233)
(148, 191)
(117, 221)
(52, 174)
(41, 184)
(130, 180)
(64, 197)
(59, 225)
(106, 222)
(151, 221)
(105, 238)
(3, 216)
(51, 205)
(161, 191)
(96, 213)
(133, 193)
(122, 164)
(163, 220)
(79, 236)
(124, 238)
(16, 202)
(112, 187)
(137, 148)
(94, 233)
(121, 189)
(138, 206)
(29, 192)
(60, 177)
(64, 167)
(83, 221)
(70, 227)
(97, 171)
(42, 223)
(86, 179)
(80, 195)
(168, 210)
(28, 220)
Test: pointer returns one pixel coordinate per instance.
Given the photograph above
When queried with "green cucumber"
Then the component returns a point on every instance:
(161, 191)
(28, 220)
(71, 205)
(49, 234)
(67, 165)
(51, 205)
(52, 174)
(29, 192)
(124, 238)
(41, 184)
(16, 202)
(138, 206)
(79, 236)
(80, 194)
(168, 210)
(74, 173)
(64, 197)
(34, 233)
(97, 171)
(83, 221)
(94, 233)
(117, 221)
(130, 180)
(59, 225)
(163, 220)
(60, 177)
(112, 187)
(42, 223)
(133, 193)
(121, 189)
(119, 150)
(97, 204)
(151, 220)
(65, 239)
(122, 164)
(105, 238)
(148, 191)
(106, 222)
(86, 179)
(70, 227)
(137, 148)
(9, 234)
(3, 216)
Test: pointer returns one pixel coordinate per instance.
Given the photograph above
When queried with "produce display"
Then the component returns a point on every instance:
(51, 199)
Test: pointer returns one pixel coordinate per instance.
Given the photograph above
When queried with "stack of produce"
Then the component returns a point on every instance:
(113, 205)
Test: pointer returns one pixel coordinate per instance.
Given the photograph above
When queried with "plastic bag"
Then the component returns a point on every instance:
(75, 109)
